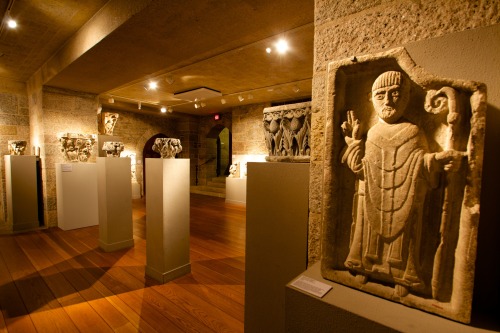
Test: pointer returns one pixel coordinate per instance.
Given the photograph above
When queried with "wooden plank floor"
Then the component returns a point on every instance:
(60, 281)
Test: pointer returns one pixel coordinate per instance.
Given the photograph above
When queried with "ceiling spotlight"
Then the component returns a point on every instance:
(99, 108)
(139, 105)
(111, 100)
(196, 105)
(163, 109)
(203, 104)
(152, 85)
(222, 101)
(170, 109)
(282, 46)
(269, 50)
(12, 23)
(241, 98)
(296, 89)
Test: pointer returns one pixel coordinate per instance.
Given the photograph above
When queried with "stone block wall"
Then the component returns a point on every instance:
(14, 125)
(248, 131)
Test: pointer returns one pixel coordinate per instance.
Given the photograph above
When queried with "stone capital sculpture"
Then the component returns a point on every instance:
(404, 181)
(167, 147)
(234, 170)
(112, 148)
(286, 130)
(107, 122)
(76, 147)
(17, 147)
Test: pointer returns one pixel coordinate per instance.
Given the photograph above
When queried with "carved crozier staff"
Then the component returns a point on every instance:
(445, 100)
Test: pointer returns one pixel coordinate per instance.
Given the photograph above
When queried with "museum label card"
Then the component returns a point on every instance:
(311, 286)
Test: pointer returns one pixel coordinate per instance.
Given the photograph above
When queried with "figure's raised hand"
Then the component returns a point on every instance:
(351, 128)
(451, 159)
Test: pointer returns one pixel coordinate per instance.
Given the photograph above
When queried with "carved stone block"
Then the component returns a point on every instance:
(234, 170)
(167, 147)
(107, 122)
(76, 147)
(113, 149)
(17, 147)
(404, 153)
(286, 130)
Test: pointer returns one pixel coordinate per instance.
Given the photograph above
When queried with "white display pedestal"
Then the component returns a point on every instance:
(115, 203)
(236, 190)
(21, 192)
(76, 185)
(276, 240)
(167, 218)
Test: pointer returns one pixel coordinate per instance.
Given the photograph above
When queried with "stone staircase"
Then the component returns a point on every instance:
(216, 187)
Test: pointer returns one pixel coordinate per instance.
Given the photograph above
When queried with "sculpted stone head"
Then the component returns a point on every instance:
(390, 96)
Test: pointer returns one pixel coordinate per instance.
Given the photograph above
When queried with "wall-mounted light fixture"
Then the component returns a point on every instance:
(222, 101)
(163, 109)
(139, 105)
(241, 98)
(111, 100)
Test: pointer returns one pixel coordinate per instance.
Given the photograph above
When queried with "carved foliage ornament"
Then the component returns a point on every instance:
(167, 147)
(17, 147)
(76, 147)
(286, 130)
(402, 196)
(107, 122)
(113, 149)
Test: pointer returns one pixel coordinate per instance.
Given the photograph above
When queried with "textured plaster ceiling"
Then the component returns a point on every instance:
(115, 48)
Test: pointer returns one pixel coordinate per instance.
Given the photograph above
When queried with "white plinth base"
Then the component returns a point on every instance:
(236, 190)
(115, 203)
(76, 185)
(21, 192)
(167, 218)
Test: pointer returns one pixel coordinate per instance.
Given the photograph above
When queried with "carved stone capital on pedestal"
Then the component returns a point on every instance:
(287, 129)
(17, 147)
(112, 148)
(167, 147)
(76, 147)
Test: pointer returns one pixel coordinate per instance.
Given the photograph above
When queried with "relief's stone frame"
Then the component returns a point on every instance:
(349, 88)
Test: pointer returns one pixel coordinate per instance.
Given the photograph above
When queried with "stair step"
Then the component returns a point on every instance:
(200, 190)
(219, 180)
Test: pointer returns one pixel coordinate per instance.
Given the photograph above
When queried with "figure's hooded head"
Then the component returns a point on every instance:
(390, 95)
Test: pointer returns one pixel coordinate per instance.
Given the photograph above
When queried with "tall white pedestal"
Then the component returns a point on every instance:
(236, 190)
(115, 203)
(21, 192)
(167, 218)
(76, 186)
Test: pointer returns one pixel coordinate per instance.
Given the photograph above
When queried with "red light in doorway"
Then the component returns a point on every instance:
(217, 116)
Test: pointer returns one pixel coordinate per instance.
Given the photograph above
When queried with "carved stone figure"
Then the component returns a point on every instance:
(410, 160)
(107, 122)
(286, 130)
(76, 147)
(17, 147)
(234, 170)
(167, 147)
(113, 149)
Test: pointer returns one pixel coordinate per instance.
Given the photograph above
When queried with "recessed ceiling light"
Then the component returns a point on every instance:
(152, 85)
(268, 50)
(222, 101)
(282, 46)
(241, 98)
(163, 109)
(12, 23)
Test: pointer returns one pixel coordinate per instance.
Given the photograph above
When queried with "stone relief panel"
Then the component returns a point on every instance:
(287, 130)
(76, 147)
(107, 122)
(112, 148)
(167, 147)
(402, 182)
(17, 147)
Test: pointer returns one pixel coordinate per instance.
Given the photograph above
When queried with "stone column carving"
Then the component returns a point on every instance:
(167, 147)
(113, 149)
(286, 130)
(17, 147)
(404, 179)
(76, 147)
(107, 122)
